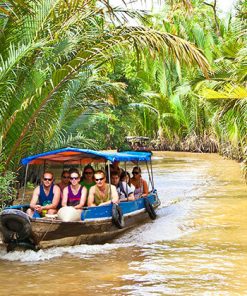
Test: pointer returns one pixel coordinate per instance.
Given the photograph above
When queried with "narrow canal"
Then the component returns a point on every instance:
(196, 246)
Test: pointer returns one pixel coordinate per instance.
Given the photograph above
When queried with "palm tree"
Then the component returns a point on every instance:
(45, 46)
(226, 92)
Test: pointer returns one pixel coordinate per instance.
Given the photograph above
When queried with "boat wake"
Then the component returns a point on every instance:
(169, 225)
(82, 251)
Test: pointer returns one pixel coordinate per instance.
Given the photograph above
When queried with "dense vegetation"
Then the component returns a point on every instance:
(74, 73)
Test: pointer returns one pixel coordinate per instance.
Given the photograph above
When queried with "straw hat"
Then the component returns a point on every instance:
(69, 214)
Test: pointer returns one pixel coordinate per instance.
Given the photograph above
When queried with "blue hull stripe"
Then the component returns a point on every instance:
(106, 211)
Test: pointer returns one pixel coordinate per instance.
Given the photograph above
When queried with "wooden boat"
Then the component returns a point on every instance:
(98, 224)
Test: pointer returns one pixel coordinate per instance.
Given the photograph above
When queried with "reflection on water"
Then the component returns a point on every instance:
(197, 246)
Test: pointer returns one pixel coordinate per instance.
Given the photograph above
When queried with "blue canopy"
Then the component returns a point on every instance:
(78, 156)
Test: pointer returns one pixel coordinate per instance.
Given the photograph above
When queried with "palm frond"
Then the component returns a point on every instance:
(229, 92)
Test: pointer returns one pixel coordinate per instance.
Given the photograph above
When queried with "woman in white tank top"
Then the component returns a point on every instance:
(141, 186)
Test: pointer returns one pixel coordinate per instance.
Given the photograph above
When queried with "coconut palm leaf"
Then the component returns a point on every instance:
(229, 92)
(46, 52)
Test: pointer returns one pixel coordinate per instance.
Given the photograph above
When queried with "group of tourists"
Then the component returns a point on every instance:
(90, 189)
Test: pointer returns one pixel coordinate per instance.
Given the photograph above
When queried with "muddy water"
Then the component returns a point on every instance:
(197, 246)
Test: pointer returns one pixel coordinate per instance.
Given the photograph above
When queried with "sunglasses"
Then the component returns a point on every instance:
(135, 173)
(66, 177)
(48, 179)
(99, 179)
(74, 178)
(88, 173)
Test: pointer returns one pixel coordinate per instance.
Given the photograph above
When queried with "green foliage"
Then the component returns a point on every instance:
(184, 108)
(76, 75)
(30, 185)
(55, 57)
(7, 187)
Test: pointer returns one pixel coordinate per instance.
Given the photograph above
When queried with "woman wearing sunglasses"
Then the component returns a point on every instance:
(74, 194)
(141, 186)
(88, 178)
(102, 193)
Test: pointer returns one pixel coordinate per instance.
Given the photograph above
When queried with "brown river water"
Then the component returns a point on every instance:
(196, 246)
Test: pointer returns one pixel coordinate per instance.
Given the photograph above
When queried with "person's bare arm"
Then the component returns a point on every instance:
(115, 197)
(91, 197)
(65, 197)
(130, 192)
(34, 200)
(145, 188)
(83, 198)
(131, 196)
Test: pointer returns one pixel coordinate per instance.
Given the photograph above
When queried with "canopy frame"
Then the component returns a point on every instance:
(76, 156)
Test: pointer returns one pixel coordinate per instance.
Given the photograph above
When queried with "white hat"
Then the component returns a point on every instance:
(69, 214)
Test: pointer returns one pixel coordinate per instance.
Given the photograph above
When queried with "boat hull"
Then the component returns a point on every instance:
(57, 233)
(96, 226)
